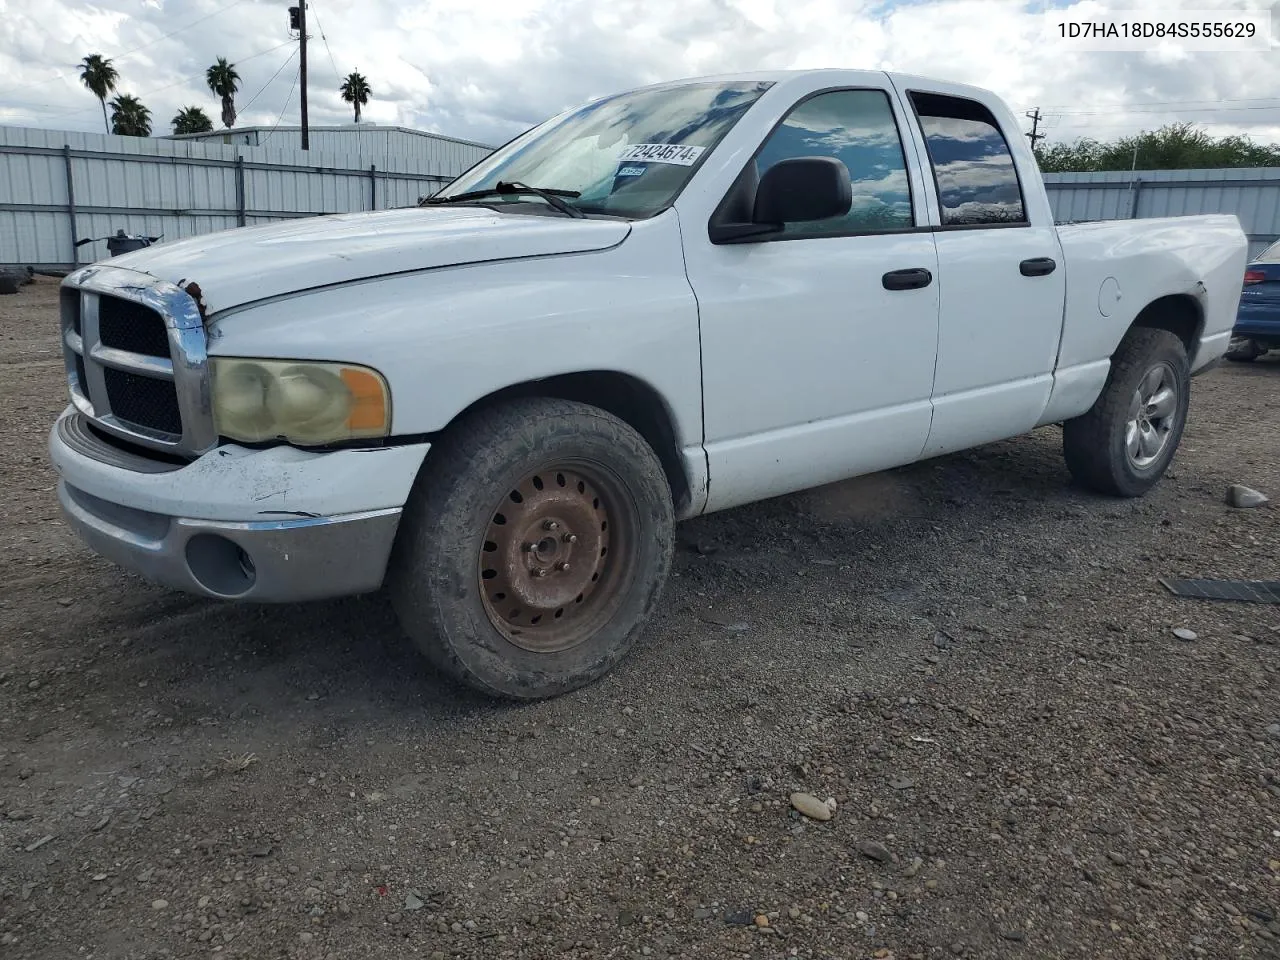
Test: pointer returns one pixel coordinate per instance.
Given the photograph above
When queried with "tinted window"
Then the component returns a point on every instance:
(1269, 255)
(977, 181)
(857, 128)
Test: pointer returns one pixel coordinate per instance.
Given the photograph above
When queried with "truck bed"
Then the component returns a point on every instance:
(1117, 267)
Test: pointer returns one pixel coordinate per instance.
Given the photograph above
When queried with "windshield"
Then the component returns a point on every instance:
(627, 155)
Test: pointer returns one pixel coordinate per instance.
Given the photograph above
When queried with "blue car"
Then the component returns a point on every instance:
(1257, 328)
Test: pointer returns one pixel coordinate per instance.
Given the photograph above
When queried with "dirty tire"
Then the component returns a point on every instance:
(10, 282)
(1095, 443)
(440, 579)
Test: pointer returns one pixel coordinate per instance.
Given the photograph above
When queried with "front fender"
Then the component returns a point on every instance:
(447, 337)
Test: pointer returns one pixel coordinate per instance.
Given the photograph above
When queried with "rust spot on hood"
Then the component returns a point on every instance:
(194, 291)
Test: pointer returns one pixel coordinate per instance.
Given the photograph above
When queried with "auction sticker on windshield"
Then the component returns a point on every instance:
(677, 153)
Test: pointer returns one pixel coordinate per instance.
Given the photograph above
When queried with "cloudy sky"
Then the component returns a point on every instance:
(485, 71)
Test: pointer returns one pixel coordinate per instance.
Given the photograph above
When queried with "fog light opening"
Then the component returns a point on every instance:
(219, 565)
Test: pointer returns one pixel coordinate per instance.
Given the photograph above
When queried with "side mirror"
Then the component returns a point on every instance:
(791, 191)
(801, 189)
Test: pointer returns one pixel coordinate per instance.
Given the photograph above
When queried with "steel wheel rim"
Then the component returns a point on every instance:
(1153, 413)
(557, 555)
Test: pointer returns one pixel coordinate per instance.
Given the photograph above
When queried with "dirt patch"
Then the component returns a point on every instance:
(970, 656)
(862, 499)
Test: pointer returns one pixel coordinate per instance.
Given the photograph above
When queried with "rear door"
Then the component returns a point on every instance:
(1000, 270)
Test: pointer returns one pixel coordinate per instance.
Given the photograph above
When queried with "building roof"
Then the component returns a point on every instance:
(340, 128)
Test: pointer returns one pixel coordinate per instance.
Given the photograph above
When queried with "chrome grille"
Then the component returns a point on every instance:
(135, 352)
(144, 401)
(130, 326)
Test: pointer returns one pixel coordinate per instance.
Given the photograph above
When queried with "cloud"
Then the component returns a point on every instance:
(488, 71)
(893, 183)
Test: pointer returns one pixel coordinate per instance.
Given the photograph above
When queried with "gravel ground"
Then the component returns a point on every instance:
(971, 657)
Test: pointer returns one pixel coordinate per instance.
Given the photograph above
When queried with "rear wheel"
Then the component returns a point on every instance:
(535, 545)
(1126, 441)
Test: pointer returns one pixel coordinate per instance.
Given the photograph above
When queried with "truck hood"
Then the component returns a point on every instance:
(239, 266)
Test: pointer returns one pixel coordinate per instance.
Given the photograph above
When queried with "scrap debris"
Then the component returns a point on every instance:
(1245, 591)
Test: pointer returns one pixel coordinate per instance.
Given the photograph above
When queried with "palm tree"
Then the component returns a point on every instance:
(355, 90)
(129, 118)
(224, 82)
(97, 73)
(191, 120)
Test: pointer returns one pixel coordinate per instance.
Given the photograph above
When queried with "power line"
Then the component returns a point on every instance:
(319, 26)
(138, 49)
(1118, 120)
(1121, 108)
(148, 93)
(296, 73)
(234, 3)
(1172, 106)
(1073, 107)
(1085, 129)
(293, 53)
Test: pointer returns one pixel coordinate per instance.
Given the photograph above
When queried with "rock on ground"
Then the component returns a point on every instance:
(811, 806)
(1244, 497)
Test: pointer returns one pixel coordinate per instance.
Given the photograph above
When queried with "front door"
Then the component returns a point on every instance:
(818, 343)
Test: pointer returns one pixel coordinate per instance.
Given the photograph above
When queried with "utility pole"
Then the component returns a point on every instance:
(1035, 134)
(298, 21)
(302, 70)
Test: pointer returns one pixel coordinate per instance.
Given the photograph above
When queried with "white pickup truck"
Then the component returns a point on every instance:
(660, 304)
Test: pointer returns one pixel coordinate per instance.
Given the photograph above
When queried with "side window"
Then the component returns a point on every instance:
(856, 127)
(972, 166)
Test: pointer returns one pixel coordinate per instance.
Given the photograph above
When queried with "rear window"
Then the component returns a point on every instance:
(972, 164)
(1269, 255)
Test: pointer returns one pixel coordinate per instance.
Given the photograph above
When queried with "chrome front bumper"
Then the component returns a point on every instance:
(270, 525)
(275, 561)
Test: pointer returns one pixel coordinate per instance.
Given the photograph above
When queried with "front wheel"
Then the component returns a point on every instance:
(1126, 441)
(536, 543)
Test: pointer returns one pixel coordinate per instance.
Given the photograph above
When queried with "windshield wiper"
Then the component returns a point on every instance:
(550, 194)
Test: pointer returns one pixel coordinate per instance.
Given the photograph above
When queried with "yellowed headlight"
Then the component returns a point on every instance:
(308, 403)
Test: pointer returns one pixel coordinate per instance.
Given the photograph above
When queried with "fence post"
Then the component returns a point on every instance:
(1135, 190)
(71, 204)
(240, 189)
(373, 186)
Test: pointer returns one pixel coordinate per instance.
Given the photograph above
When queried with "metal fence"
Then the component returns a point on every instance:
(57, 187)
(1251, 194)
